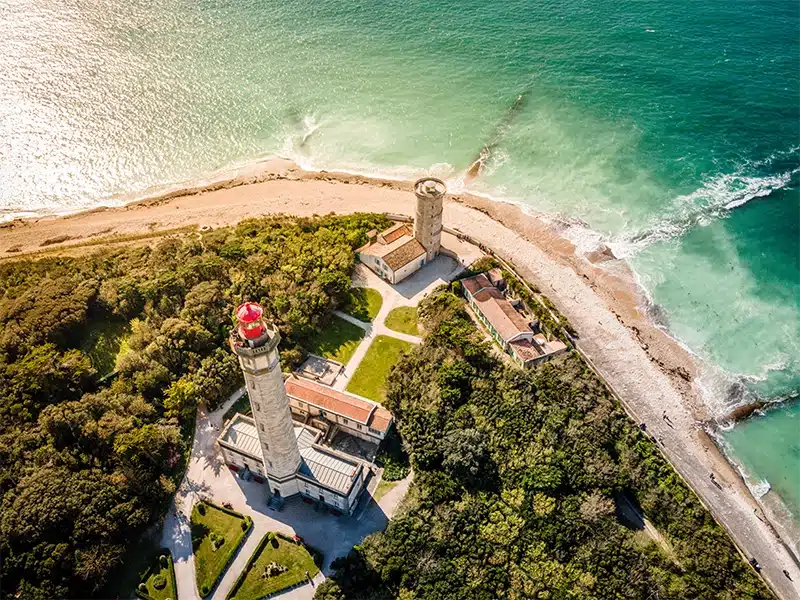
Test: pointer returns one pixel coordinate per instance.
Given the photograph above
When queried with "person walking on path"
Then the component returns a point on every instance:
(667, 420)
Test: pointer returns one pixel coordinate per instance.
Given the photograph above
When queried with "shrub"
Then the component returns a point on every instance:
(204, 590)
(159, 582)
(143, 588)
(245, 525)
(163, 561)
(201, 508)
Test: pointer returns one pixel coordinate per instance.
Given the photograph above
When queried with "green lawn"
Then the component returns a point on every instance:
(363, 303)
(369, 380)
(293, 556)
(384, 487)
(166, 574)
(403, 319)
(210, 564)
(338, 340)
(104, 341)
(242, 405)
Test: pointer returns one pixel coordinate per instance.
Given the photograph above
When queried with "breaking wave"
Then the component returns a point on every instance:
(713, 200)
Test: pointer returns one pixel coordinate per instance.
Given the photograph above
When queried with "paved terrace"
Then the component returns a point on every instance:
(207, 476)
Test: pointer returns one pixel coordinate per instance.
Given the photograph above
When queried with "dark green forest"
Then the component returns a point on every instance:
(517, 477)
(89, 459)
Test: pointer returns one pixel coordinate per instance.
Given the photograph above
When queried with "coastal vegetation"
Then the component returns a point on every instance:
(363, 303)
(518, 476)
(277, 564)
(371, 376)
(338, 340)
(87, 462)
(403, 319)
(216, 535)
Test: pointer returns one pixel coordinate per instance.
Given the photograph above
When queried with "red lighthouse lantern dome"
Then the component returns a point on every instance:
(251, 324)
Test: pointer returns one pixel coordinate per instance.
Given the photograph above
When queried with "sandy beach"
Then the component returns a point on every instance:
(651, 372)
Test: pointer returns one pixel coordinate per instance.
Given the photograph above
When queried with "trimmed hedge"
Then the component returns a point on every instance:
(253, 557)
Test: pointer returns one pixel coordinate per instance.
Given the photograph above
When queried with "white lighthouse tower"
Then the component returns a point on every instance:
(256, 345)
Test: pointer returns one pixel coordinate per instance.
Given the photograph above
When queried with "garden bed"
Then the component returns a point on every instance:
(288, 560)
(217, 534)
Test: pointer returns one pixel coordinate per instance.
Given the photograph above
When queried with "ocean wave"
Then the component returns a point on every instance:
(760, 488)
(713, 200)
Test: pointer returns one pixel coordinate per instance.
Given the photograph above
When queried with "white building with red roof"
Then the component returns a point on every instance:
(507, 325)
(400, 250)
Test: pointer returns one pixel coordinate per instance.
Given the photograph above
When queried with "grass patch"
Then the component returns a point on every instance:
(384, 487)
(252, 584)
(363, 303)
(158, 583)
(211, 523)
(104, 341)
(338, 340)
(242, 405)
(370, 377)
(403, 319)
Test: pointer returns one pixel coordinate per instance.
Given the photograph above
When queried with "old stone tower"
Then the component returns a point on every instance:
(256, 345)
(428, 216)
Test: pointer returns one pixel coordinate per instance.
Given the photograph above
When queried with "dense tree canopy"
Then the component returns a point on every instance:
(518, 475)
(88, 462)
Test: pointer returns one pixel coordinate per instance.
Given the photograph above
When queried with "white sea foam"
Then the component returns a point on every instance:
(713, 200)
(759, 489)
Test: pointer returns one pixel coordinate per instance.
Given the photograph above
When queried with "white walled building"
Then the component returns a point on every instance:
(399, 251)
(270, 444)
(354, 415)
(323, 475)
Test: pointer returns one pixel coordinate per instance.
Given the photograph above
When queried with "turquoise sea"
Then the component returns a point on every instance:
(668, 129)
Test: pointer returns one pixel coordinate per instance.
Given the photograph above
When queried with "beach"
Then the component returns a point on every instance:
(652, 373)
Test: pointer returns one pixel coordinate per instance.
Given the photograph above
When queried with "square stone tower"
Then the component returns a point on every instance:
(428, 215)
(256, 345)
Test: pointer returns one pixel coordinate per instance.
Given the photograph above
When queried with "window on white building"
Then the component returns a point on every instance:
(374, 431)
(345, 421)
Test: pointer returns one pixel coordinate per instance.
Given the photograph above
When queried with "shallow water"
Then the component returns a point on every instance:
(669, 129)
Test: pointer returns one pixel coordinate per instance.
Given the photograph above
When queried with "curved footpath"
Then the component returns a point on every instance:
(650, 373)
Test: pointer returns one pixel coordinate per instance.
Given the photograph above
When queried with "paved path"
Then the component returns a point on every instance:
(207, 476)
(407, 293)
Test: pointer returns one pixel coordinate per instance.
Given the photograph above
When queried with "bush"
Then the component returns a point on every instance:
(204, 590)
(245, 525)
(201, 508)
(143, 588)
(159, 582)
(163, 561)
